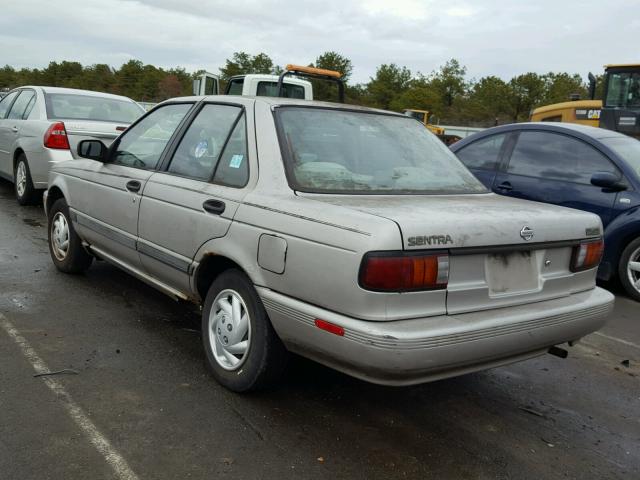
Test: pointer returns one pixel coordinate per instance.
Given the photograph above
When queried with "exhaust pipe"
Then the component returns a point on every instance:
(558, 352)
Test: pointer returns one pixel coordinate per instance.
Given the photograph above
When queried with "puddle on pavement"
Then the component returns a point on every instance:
(31, 222)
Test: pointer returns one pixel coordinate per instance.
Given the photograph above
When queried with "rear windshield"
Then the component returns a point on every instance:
(338, 151)
(626, 147)
(270, 89)
(65, 106)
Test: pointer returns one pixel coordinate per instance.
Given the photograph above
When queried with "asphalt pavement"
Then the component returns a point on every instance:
(139, 403)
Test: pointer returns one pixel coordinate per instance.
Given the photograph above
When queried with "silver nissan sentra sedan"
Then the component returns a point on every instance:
(43, 125)
(349, 235)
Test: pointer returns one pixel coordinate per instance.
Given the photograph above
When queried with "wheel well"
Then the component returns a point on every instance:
(54, 194)
(16, 155)
(210, 267)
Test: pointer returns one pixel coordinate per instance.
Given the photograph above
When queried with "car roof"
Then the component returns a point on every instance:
(573, 129)
(281, 101)
(77, 91)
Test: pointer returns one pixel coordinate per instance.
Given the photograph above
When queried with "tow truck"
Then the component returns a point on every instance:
(262, 85)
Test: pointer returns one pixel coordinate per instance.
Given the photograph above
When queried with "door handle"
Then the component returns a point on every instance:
(14, 129)
(215, 207)
(506, 186)
(134, 186)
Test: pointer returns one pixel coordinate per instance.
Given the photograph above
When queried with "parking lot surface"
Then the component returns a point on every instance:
(142, 404)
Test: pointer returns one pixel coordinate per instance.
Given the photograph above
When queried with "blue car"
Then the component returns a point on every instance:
(574, 166)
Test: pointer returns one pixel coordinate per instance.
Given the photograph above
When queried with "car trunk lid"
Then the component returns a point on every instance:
(502, 251)
(78, 130)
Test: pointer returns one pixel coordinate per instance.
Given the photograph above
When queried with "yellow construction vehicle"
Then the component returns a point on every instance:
(619, 110)
(423, 117)
(585, 112)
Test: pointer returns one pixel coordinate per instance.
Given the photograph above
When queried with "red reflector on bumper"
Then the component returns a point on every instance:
(329, 327)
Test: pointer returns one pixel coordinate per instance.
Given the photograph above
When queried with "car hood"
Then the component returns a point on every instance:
(477, 220)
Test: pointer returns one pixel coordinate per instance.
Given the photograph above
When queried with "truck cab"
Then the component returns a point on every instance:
(621, 99)
(255, 85)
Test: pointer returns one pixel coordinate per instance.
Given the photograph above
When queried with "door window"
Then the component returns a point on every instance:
(5, 103)
(20, 105)
(483, 154)
(142, 145)
(202, 144)
(557, 157)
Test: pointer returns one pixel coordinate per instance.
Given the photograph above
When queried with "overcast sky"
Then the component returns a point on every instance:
(490, 37)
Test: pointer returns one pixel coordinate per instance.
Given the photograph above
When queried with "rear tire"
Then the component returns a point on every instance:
(65, 246)
(26, 194)
(243, 350)
(629, 269)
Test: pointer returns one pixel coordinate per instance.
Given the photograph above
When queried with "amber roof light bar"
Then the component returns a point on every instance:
(312, 72)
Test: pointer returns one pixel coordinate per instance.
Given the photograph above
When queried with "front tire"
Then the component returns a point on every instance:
(629, 269)
(243, 350)
(65, 246)
(26, 194)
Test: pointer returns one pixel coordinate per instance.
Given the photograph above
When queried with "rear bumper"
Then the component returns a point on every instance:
(41, 161)
(405, 352)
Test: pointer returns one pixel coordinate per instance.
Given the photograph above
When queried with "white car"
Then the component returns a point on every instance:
(43, 125)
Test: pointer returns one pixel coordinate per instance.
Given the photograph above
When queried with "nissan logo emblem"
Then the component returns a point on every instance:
(526, 233)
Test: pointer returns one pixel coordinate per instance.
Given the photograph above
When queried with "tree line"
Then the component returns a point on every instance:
(446, 92)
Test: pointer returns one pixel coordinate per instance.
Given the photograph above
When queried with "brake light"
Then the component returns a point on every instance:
(400, 272)
(56, 137)
(587, 255)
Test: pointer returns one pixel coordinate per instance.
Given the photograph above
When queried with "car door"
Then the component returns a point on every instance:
(196, 196)
(556, 168)
(483, 156)
(105, 196)
(6, 135)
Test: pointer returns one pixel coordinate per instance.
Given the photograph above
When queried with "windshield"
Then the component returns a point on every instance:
(337, 151)
(626, 147)
(66, 106)
(623, 90)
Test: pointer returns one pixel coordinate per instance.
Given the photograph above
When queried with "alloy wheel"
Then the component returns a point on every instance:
(633, 269)
(21, 179)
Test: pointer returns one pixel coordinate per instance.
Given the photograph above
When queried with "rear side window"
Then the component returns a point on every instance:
(557, 157)
(203, 142)
(20, 105)
(235, 86)
(483, 154)
(233, 167)
(5, 103)
(66, 106)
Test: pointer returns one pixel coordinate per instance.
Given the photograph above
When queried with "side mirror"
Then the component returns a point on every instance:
(92, 149)
(607, 180)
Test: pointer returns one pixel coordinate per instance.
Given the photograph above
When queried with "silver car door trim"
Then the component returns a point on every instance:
(172, 292)
(62, 171)
(314, 220)
(169, 259)
(195, 190)
(103, 229)
(199, 210)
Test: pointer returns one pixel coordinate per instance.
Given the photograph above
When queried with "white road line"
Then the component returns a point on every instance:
(99, 441)
(619, 340)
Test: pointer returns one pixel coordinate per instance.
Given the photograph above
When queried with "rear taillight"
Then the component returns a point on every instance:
(587, 255)
(401, 272)
(56, 137)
